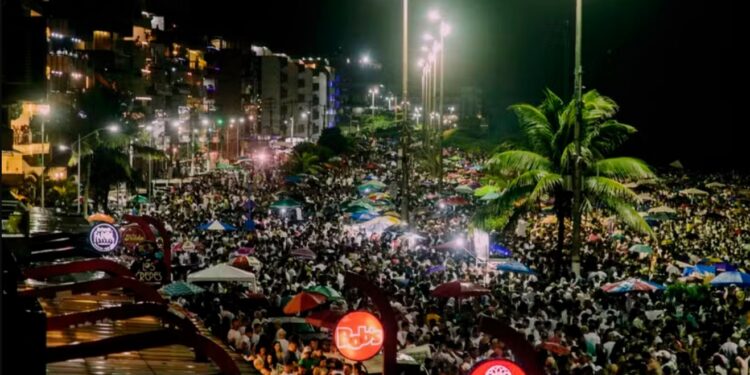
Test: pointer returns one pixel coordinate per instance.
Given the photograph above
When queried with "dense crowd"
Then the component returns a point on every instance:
(691, 328)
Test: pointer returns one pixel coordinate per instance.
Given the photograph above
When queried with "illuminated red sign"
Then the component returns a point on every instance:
(358, 336)
(497, 367)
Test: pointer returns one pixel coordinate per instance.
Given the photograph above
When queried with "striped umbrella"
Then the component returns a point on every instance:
(632, 285)
(737, 278)
(515, 267)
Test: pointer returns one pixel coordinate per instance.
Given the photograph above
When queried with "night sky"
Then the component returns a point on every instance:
(672, 65)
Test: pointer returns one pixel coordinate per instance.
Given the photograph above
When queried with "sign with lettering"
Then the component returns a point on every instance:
(104, 237)
(497, 367)
(132, 236)
(358, 336)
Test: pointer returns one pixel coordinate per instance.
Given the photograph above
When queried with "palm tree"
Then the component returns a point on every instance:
(304, 162)
(542, 164)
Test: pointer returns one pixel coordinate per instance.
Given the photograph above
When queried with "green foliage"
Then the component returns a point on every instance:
(334, 140)
(535, 167)
(321, 152)
(303, 162)
(688, 293)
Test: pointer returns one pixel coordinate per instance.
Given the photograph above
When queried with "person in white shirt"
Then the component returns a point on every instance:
(234, 337)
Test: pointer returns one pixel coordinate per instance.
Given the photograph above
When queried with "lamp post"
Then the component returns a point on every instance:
(242, 125)
(575, 256)
(44, 111)
(405, 140)
(373, 92)
(114, 128)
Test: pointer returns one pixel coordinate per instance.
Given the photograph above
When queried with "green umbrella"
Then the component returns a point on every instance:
(285, 203)
(359, 204)
(181, 288)
(640, 248)
(139, 199)
(618, 236)
(328, 292)
(490, 196)
(464, 189)
(484, 190)
(225, 166)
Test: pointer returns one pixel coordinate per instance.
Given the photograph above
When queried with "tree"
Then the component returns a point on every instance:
(542, 163)
(304, 162)
(334, 140)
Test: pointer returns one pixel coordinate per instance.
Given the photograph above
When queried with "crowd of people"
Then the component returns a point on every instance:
(576, 326)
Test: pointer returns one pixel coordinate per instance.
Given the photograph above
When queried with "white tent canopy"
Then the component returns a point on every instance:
(221, 272)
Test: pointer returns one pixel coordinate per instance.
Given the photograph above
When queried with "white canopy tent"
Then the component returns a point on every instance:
(221, 272)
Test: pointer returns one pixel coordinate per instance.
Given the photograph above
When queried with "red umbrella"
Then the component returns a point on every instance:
(456, 201)
(555, 348)
(325, 318)
(593, 238)
(304, 253)
(303, 301)
(246, 250)
(371, 166)
(459, 289)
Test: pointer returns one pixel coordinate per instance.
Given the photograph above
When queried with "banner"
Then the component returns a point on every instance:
(419, 353)
(481, 242)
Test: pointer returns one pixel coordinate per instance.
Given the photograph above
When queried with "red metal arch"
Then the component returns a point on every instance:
(126, 311)
(142, 291)
(108, 266)
(525, 354)
(144, 223)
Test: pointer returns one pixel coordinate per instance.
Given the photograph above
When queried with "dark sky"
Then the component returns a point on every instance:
(672, 65)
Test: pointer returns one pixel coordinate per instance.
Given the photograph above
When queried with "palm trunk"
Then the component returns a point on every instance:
(88, 187)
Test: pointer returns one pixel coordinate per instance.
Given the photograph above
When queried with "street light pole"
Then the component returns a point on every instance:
(43, 172)
(575, 256)
(78, 178)
(405, 108)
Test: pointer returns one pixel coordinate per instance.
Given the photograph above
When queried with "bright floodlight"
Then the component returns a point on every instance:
(44, 109)
(63, 147)
(427, 36)
(365, 59)
(204, 122)
(242, 120)
(114, 128)
(445, 29)
(433, 15)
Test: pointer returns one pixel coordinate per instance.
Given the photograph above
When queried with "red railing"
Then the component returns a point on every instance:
(108, 266)
(142, 291)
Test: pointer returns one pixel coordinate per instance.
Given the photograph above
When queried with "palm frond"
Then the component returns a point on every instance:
(148, 151)
(597, 107)
(517, 161)
(535, 126)
(551, 106)
(622, 168)
(547, 183)
(630, 217)
(608, 136)
(605, 189)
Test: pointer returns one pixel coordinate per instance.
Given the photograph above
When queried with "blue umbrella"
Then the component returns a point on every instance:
(434, 269)
(248, 225)
(701, 269)
(248, 205)
(724, 267)
(293, 179)
(500, 250)
(364, 215)
(216, 225)
(515, 267)
(738, 278)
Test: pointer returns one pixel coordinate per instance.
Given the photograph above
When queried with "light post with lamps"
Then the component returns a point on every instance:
(44, 112)
(373, 91)
(242, 125)
(114, 128)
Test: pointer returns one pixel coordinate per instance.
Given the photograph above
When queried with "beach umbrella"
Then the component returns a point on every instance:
(631, 285)
(555, 348)
(459, 289)
(641, 248)
(138, 199)
(100, 217)
(455, 201)
(514, 267)
(500, 250)
(181, 288)
(302, 302)
(662, 210)
(328, 292)
(364, 215)
(246, 262)
(593, 238)
(700, 270)
(618, 236)
(489, 197)
(304, 253)
(693, 191)
(286, 203)
(644, 197)
(324, 319)
(484, 190)
(729, 278)
(217, 225)
(715, 185)
(393, 214)
(724, 267)
(464, 189)
(378, 196)
(433, 269)
(380, 223)
(293, 179)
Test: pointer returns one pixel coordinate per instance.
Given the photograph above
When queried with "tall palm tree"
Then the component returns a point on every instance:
(542, 164)
(304, 162)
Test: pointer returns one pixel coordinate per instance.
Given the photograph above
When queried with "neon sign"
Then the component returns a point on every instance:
(497, 367)
(358, 336)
